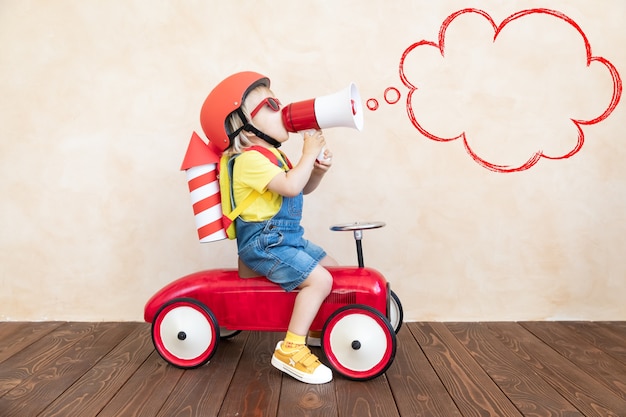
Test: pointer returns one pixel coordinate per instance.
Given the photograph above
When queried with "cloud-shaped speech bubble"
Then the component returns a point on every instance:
(513, 93)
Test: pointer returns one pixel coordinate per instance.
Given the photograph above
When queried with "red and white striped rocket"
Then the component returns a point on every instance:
(200, 164)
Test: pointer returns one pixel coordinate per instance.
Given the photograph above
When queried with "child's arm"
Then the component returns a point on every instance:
(292, 182)
(319, 169)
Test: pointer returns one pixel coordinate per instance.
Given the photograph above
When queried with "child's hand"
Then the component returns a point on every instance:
(322, 166)
(313, 143)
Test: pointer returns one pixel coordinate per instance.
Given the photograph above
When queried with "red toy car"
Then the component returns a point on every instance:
(358, 320)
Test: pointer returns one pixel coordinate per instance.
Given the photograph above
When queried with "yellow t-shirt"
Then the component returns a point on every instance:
(253, 170)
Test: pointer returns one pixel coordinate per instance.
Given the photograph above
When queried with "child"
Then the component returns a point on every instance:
(242, 112)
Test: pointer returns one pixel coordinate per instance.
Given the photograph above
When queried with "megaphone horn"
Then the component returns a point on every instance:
(340, 109)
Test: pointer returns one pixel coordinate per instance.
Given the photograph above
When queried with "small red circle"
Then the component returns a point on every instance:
(392, 100)
(372, 104)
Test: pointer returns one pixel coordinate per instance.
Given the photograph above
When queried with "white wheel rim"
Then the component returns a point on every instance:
(197, 331)
(368, 333)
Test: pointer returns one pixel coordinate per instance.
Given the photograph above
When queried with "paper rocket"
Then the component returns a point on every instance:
(201, 164)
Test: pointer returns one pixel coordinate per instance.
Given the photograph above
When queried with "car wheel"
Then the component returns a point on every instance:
(185, 333)
(227, 333)
(396, 314)
(359, 342)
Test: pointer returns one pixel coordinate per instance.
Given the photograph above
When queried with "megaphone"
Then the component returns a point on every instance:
(340, 109)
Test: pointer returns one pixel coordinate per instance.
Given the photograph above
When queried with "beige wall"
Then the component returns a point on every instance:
(99, 99)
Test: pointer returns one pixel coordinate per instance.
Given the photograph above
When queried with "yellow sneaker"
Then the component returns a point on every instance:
(302, 365)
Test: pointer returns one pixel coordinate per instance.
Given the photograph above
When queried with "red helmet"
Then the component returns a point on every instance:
(225, 98)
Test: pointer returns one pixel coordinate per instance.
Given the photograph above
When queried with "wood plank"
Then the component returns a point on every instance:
(576, 386)
(95, 388)
(603, 336)
(619, 326)
(200, 392)
(298, 399)
(365, 398)
(460, 369)
(595, 362)
(146, 391)
(42, 387)
(473, 391)
(255, 387)
(417, 389)
(527, 390)
(15, 336)
(41, 355)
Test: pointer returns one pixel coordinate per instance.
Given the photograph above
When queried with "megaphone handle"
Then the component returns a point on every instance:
(320, 156)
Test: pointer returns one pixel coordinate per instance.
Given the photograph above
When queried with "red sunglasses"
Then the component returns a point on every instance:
(271, 102)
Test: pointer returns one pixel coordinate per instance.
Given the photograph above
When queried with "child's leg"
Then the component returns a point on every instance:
(313, 292)
(314, 338)
(292, 355)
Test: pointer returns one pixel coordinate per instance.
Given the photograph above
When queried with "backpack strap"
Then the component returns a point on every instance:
(237, 210)
(244, 205)
(271, 156)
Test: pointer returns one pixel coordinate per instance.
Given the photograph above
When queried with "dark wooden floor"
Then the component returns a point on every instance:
(441, 369)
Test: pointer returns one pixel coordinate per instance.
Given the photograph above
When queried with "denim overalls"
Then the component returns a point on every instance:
(276, 247)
